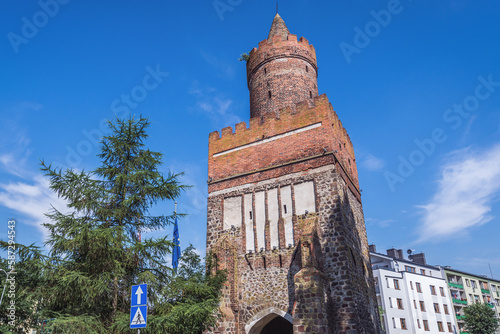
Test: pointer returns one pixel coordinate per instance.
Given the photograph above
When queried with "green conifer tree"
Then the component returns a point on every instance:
(96, 254)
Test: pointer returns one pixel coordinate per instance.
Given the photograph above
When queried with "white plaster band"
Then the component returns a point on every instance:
(270, 139)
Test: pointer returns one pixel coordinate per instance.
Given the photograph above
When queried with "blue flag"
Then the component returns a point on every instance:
(176, 254)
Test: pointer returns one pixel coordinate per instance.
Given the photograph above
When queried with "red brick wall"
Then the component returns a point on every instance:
(281, 73)
(330, 137)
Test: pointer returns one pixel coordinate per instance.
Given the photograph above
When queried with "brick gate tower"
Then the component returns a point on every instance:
(284, 211)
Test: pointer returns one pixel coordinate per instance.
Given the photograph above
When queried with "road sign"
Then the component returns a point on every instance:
(139, 295)
(138, 316)
(139, 307)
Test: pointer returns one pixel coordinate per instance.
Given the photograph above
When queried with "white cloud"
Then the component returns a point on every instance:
(379, 222)
(468, 187)
(213, 104)
(372, 163)
(31, 199)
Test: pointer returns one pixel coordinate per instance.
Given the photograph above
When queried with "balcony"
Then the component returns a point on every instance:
(456, 285)
(485, 291)
(490, 305)
(458, 301)
(460, 317)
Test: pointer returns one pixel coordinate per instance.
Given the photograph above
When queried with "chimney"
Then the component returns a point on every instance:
(419, 258)
(372, 248)
(395, 253)
(400, 254)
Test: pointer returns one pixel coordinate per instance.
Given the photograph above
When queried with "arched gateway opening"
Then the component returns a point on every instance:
(278, 325)
(270, 321)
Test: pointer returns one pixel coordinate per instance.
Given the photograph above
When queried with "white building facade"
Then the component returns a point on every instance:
(412, 297)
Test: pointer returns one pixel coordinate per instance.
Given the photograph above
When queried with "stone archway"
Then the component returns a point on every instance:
(270, 321)
(278, 325)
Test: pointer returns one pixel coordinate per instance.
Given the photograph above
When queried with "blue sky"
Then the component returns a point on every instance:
(416, 84)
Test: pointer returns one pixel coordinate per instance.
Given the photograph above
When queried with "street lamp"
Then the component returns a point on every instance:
(6, 273)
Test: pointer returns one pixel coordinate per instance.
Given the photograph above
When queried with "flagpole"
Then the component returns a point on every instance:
(177, 250)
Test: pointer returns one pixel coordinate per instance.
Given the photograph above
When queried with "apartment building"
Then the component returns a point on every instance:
(466, 288)
(413, 296)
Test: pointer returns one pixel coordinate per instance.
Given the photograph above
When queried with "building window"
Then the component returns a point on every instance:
(433, 290)
(422, 306)
(440, 326)
(450, 329)
(403, 323)
(445, 307)
(390, 302)
(473, 283)
(284, 208)
(411, 285)
(409, 269)
(436, 308)
(422, 271)
(418, 323)
(393, 322)
(441, 290)
(250, 212)
(387, 281)
(467, 282)
(269, 93)
(415, 303)
(310, 94)
(419, 288)
(426, 325)
(400, 303)
(307, 69)
(396, 284)
(265, 70)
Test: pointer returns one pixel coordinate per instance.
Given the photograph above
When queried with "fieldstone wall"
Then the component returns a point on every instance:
(324, 281)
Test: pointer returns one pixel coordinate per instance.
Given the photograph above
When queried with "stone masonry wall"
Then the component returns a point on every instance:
(341, 283)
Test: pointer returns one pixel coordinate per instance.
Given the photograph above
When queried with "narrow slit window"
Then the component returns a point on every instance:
(284, 209)
(250, 212)
(265, 70)
(269, 93)
(310, 94)
(307, 69)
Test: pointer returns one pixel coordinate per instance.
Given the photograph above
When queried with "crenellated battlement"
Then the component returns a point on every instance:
(294, 133)
(269, 50)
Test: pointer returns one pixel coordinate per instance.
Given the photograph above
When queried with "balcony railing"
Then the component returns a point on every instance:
(458, 301)
(490, 305)
(456, 285)
(460, 317)
(485, 291)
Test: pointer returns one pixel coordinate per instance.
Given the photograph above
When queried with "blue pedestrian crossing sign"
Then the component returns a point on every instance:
(138, 306)
(138, 316)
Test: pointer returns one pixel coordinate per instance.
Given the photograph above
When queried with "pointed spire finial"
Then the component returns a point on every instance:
(278, 28)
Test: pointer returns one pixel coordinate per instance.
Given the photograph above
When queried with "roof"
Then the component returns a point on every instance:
(278, 27)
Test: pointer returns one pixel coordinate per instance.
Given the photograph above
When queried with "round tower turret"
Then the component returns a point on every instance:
(281, 72)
